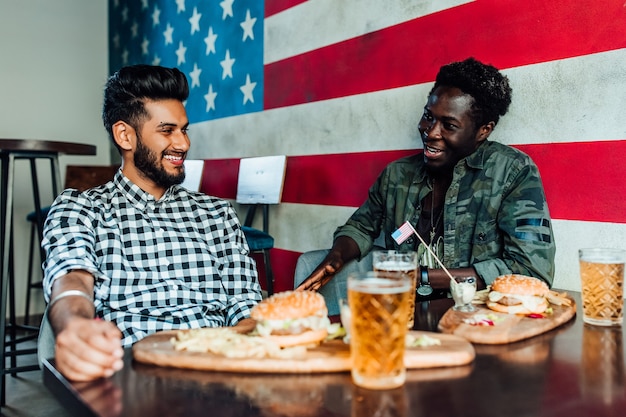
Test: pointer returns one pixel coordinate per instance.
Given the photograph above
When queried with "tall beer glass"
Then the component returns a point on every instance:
(379, 308)
(399, 261)
(602, 285)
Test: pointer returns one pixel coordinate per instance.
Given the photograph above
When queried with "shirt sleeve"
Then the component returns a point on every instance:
(68, 238)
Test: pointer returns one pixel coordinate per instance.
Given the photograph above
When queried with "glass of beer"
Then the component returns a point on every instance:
(399, 261)
(378, 306)
(602, 285)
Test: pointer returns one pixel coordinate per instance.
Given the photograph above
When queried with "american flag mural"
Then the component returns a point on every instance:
(219, 45)
(340, 86)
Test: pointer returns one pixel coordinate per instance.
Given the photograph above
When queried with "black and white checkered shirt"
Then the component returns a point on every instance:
(179, 262)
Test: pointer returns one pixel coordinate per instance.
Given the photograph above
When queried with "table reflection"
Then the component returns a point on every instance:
(602, 360)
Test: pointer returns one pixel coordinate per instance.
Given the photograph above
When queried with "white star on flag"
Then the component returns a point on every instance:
(227, 65)
(210, 99)
(227, 6)
(210, 41)
(247, 89)
(247, 25)
(195, 21)
(156, 16)
(144, 46)
(195, 76)
(180, 53)
(169, 31)
(134, 30)
(180, 6)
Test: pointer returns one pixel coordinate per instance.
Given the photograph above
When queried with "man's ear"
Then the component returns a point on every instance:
(124, 135)
(484, 131)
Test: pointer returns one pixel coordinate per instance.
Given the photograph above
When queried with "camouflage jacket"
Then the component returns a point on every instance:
(496, 217)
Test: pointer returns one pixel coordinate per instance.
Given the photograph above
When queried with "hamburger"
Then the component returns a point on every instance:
(518, 294)
(292, 318)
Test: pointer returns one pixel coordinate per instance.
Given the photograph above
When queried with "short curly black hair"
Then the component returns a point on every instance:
(489, 88)
(127, 91)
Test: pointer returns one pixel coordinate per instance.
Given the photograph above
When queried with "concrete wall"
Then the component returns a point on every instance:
(54, 61)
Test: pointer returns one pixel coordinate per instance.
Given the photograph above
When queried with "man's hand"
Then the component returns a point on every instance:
(320, 276)
(87, 349)
(344, 250)
(245, 326)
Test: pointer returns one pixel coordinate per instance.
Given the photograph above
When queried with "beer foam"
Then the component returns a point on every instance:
(602, 258)
(395, 266)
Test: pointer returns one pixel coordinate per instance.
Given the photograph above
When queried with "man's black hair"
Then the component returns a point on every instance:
(128, 89)
(489, 88)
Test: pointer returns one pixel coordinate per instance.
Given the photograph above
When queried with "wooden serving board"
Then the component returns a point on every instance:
(508, 328)
(330, 356)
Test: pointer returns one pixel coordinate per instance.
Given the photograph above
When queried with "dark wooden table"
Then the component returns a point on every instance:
(12, 150)
(574, 370)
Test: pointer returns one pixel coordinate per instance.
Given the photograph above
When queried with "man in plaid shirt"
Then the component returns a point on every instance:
(141, 253)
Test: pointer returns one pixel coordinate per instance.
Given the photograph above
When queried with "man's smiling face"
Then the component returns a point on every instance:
(447, 129)
(163, 143)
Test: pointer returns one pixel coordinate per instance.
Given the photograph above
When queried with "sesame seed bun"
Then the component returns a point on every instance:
(520, 285)
(292, 318)
(290, 305)
(518, 294)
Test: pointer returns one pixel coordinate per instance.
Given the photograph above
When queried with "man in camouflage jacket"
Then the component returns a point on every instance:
(482, 199)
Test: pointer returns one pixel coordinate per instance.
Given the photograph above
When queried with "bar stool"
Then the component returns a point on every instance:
(10, 151)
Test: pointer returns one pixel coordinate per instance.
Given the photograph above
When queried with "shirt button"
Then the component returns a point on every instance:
(175, 287)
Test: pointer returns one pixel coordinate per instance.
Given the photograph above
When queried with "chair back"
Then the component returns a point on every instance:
(83, 177)
(260, 183)
(193, 174)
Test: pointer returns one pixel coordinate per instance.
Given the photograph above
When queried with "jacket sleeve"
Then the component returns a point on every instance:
(525, 226)
(365, 224)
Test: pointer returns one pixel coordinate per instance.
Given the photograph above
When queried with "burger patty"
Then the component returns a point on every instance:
(509, 301)
(297, 329)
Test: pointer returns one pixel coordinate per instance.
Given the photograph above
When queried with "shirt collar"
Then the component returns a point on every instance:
(477, 158)
(135, 194)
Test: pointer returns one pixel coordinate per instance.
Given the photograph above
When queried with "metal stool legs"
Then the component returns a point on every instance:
(30, 285)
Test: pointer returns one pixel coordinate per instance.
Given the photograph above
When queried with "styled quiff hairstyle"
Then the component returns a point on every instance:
(126, 92)
(489, 88)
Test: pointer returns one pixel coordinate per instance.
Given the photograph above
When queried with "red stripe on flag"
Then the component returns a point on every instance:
(335, 179)
(508, 34)
(583, 180)
(276, 6)
(219, 178)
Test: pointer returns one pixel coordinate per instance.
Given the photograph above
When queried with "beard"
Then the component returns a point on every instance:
(147, 163)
